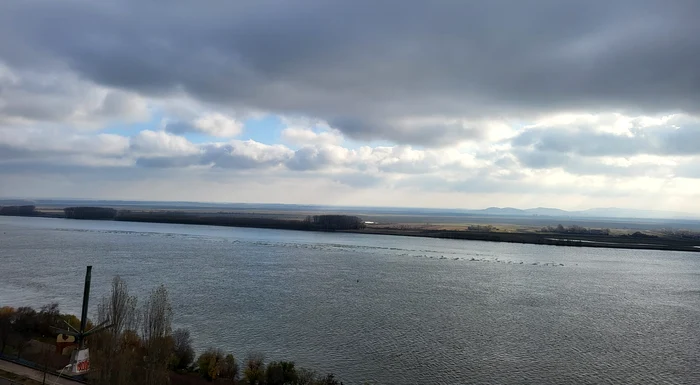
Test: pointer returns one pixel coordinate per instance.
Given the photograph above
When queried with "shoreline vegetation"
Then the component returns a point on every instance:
(141, 347)
(672, 240)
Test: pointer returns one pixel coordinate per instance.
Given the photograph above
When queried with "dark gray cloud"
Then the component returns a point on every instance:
(59, 97)
(367, 66)
(438, 134)
(179, 128)
(10, 153)
(584, 142)
(55, 147)
(245, 155)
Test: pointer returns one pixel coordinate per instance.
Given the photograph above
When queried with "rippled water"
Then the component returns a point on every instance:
(392, 310)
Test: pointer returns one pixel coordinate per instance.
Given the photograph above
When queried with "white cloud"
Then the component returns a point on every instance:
(219, 125)
(577, 171)
(40, 142)
(305, 137)
(211, 124)
(301, 131)
(149, 143)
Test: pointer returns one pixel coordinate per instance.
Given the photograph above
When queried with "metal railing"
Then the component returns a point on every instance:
(35, 366)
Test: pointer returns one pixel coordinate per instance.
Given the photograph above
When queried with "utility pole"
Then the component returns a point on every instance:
(80, 362)
(83, 315)
(81, 334)
(45, 355)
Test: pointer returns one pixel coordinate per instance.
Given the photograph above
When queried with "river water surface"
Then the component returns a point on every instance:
(385, 309)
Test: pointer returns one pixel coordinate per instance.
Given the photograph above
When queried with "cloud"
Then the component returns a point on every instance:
(544, 146)
(123, 105)
(247, 154)
(301, 131)
(152, 144)
(302, 136)
(427, 132)
(369, 73)
(380, 159)
(483, 99)
(30, 97)
(165, 150)
(216, 125)
(358, 179)
(149, 148)
(53, 146)
(318, 157)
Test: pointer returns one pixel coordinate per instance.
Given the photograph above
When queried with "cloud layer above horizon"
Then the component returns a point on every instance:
(438, 104)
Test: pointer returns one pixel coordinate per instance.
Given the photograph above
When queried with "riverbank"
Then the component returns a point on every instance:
(131, 351)
(579, 237)
(552, 239)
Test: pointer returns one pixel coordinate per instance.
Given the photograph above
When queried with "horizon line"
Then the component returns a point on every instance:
(690, 214)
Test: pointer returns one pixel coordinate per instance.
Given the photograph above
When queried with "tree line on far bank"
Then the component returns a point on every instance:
(574, 229)
(325, 222)
(141, 347)
(20, 211)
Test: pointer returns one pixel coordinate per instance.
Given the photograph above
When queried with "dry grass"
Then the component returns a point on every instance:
(500, 227)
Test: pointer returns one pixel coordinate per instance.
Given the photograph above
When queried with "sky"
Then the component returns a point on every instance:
(456, 104)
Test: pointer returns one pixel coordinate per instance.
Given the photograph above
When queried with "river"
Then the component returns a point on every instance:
(384, 309)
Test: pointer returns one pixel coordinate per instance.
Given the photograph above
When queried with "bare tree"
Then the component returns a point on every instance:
(306, 376)
(156, 333)
(113, 355)
(119, 308)
(49, 316)
(24, 325)
(183, 354)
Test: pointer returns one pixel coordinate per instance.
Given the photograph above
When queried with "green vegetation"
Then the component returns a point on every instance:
(24, 331)
(142, 349)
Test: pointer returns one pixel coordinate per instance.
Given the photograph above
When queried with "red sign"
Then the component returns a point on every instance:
(83, 366)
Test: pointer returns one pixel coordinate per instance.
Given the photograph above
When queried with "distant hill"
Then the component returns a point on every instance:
(500, 211)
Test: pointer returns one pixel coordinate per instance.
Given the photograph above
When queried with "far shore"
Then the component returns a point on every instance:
(575, 236)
